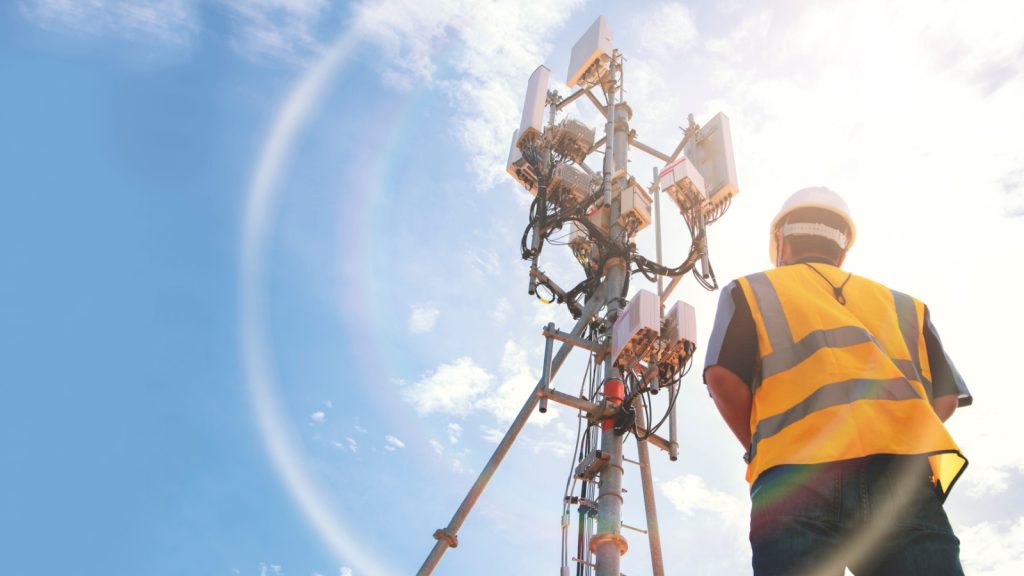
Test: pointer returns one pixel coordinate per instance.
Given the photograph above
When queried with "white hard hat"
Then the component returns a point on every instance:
(816, 197)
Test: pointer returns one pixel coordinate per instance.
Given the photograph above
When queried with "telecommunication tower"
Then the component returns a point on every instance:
(636, 349)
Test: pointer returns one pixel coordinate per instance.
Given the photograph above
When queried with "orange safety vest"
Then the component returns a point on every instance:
(838, 381)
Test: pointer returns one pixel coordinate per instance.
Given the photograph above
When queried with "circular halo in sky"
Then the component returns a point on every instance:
(278, 439)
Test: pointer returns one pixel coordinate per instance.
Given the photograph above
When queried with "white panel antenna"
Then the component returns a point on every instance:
(637, 328)
(712, 153)
(519, 168)
(596, 45)
(678, 329)
(532, 123)
(683, 183)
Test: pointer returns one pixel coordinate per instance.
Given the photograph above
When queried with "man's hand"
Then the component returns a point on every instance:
(732, 398)
(944, 406)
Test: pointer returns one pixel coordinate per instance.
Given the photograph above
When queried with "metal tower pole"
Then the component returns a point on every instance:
(673, 444)
(656, 188)
(647, 481)
(608, 543)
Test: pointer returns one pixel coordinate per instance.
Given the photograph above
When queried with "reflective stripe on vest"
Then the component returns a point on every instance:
(906, 313)
(847, 390)
(833, 395)
(786, 353)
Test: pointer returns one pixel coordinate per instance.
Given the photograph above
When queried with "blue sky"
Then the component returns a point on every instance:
(264, 311)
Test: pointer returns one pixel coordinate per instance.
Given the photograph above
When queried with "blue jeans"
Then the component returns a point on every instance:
(877, 515)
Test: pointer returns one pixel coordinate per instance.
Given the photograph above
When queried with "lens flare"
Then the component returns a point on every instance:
(280, 443)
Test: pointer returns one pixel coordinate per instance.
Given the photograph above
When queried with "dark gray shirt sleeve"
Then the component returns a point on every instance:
(733, 342)
(945, 377)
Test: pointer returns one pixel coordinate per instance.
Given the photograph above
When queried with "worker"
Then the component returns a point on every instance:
(838, 388)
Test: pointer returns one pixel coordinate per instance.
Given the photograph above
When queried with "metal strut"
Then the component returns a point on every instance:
(448, 537)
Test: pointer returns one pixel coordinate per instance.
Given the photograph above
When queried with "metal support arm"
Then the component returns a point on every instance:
(594, 410)
(599, 349)
(645, 148)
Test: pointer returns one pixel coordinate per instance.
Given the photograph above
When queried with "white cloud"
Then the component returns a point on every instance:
(345, 571)
(393, 443)
(350, 444)
(492, 435)
(664, 31)
(318, 417)
(992, 548)
(280, 30)
(267, 569)
(484, 263)
(557, 447)
(982, 481)
(458, 467)
(493, 47)
(690, 494)
(423, 318)
(501, 310)
(463, 387)
(518, 383)
(437, 446)
(454, 432)
(359, 429)
(451, 389)
(1013, 189)
(164, 22)
(276, 29)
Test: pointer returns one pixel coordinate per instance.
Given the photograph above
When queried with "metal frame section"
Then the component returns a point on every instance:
(599, 349)
(641, 146)
(606, 543)
(650, 507)
(447, 537)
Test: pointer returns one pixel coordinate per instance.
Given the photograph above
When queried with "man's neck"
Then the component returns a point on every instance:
(812, 259)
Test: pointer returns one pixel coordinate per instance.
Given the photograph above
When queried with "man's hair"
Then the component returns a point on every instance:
(806, 245)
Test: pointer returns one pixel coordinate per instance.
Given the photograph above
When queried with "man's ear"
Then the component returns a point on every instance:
(784, 248)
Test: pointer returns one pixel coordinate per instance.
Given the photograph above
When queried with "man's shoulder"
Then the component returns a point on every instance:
(885, 288)
(774, 275)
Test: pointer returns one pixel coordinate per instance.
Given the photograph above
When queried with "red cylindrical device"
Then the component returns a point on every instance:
(614, 393)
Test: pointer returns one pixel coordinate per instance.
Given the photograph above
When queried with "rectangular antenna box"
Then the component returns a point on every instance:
(573, 139)
(601, 218)
(518, 168)
(635, 200)
(596, 44)
(683, 183)
(711, 153)
(679, 327)
(535, 104)
(578, 236)
(572, 184)
(638, 325)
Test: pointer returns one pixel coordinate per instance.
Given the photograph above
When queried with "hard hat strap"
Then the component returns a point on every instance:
(815, 229)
